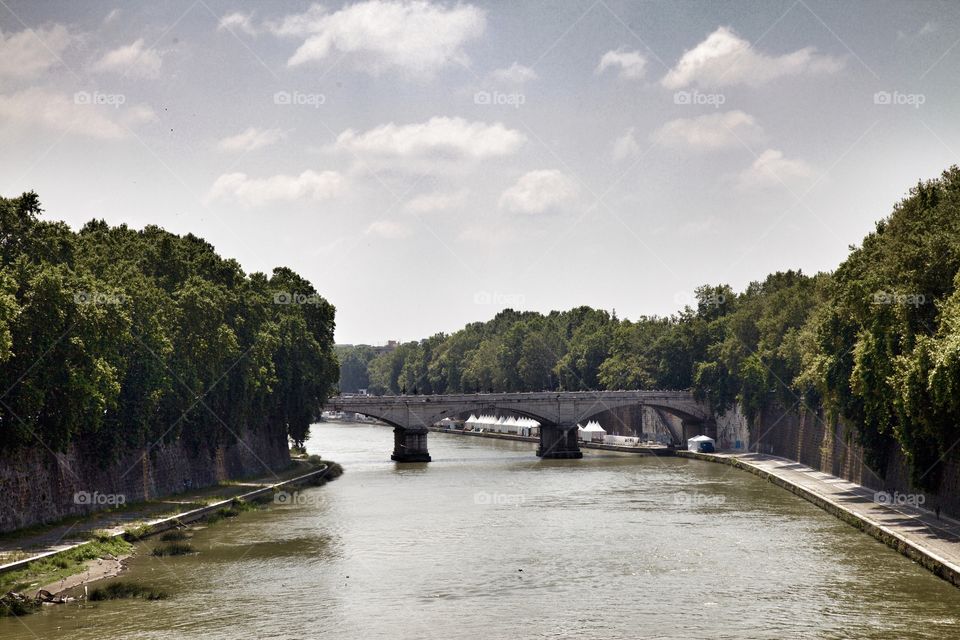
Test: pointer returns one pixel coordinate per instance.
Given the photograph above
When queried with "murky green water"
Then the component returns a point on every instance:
(490, 542)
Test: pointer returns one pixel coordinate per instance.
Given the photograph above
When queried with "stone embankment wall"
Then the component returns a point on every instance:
(803, 435)
(37, 486)
(808, 437)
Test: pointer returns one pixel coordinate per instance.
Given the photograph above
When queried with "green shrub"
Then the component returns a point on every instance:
(175, 549)
(175, 535)
(118, 590)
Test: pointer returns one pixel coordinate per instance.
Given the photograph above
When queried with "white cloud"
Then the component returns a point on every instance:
(300, 24)
(238, 22)
(538, 191)
(725, 59)
(928, 27)
(771, 169)
(253, 192)
(413, 36)
(515, 73)
(438, 136)
(709, 132)
(251, 139)
(632, 64)
(37, 107)
(439, 201)
(28, 53)
(132, 59)
(387, 229)
(626, 146)
(113, 15)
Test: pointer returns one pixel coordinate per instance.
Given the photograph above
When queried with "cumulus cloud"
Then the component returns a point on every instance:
(253, 192)
(28, 53)
(439, 201)
(515, 73)
(725, 59)
(626, 146)
(538, 191)
(771, 169)
(632, 64)
(237, 22)
(439, 136)
(251, 139)
(79, 114)
(709, 132)
(133, 59)
(416, 37)
(387, 229)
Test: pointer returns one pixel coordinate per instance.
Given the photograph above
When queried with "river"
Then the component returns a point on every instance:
(488, 541)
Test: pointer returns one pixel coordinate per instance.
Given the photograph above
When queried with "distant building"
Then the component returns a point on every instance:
(386, 348)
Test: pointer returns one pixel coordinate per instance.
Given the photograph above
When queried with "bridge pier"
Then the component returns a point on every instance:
(559, 442)
(410, 445)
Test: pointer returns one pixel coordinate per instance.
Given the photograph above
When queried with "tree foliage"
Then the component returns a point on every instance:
(114, 338)
(876, 343)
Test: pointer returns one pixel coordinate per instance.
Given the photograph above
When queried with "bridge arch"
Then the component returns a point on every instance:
(557, 412)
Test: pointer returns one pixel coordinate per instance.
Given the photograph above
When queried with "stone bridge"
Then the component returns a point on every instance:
(558, 413)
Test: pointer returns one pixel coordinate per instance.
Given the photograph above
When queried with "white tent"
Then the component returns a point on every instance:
(593, 432)
(693, 444)
(528, 427)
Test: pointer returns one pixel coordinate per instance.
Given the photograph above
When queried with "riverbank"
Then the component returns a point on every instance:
(653, 450)
(97, 552)
(894, 519)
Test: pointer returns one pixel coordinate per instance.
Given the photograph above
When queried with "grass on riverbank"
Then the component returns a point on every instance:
(125, 590)
(103, 544)
(174, 535)
(62, 564)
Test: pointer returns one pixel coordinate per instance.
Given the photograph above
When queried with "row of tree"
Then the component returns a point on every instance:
(876, 343)
(113, 339)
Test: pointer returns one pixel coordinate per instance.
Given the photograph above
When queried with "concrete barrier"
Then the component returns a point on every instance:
(939, 566)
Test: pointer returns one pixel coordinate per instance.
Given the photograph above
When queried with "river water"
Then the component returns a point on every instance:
(488, 541)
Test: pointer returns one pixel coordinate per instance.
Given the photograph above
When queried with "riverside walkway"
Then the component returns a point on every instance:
(20, 547)
(913, 531)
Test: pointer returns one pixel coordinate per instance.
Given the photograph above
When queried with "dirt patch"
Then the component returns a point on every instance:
(97, 569)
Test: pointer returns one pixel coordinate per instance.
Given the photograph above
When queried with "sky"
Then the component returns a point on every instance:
(427, 164)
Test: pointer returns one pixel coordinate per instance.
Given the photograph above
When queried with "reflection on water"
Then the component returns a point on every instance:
(488, 541)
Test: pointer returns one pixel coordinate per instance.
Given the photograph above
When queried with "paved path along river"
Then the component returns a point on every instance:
(898, 516)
